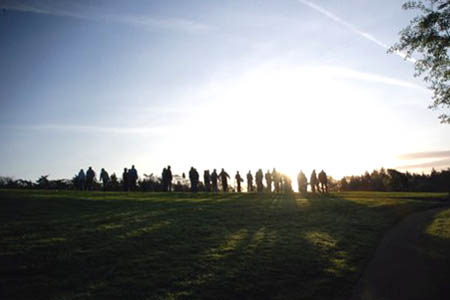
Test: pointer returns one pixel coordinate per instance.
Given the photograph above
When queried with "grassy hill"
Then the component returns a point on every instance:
(81, 245)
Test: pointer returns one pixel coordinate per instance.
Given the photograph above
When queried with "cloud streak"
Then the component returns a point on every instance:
(422, 155)
(157, 130)
(353, 28)
(69, 9)
(370, 77)
(437, 164)
(433, 159)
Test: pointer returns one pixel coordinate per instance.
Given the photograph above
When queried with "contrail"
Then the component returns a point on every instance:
(353, 28)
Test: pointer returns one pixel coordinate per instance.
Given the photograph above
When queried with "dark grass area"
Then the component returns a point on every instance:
(81, 245)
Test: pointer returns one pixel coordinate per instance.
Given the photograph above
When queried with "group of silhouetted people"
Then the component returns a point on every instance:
(281, 183)
(317, 183)
(210, 180)
(129, 178)
(275, 181)
(86, 181)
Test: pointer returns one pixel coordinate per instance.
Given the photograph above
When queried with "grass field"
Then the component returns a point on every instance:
(81, 245)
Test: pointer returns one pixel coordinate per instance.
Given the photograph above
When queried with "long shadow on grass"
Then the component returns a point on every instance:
(160, 246)
(414, 265)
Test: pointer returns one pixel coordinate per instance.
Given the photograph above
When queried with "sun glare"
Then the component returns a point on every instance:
(288, 118)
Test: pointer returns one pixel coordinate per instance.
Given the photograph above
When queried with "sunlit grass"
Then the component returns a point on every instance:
(82, 245)
(440, 227)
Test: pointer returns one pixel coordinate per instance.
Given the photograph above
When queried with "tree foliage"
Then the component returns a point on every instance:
(391, 180)
(428, 35)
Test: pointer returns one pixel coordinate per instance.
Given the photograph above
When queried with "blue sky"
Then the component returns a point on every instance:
(291, 84)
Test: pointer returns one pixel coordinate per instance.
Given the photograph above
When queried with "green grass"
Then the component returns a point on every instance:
(440, 227)
(435, 246)
(81, 245)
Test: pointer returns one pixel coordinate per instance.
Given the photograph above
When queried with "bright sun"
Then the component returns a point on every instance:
(288, 118)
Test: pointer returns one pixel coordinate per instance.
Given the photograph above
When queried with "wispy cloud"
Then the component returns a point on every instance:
(423, 155)
(75, 10)
(354, 74)
(437, 164)
(157, 130)
(424, 160)
(352, 27)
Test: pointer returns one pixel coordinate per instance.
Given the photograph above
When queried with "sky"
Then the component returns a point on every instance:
(237, 84)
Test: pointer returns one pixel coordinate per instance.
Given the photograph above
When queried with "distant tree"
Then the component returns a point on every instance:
(343, 184)
(429, 35)
(23, 184)
(151, 183)
(10, 183)
(333, 185)
(43, 182)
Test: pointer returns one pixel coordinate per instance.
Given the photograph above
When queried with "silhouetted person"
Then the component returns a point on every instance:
(268, 177)
(259, 176)
(323, 180)
(287, 184)
(276, 180)
(249, 181)
(214, 178)
(169, 179)
(132, 176)
(238, 181)
(164, 179)
(125, 180)
(104, 178)
(193, 177)
(313, 181)
(224, 179)
(302, 182)
(81, 180)
(90, 175)
(207, 180)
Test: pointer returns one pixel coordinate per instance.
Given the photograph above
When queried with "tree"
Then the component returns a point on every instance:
(43, 182)
(428, 34)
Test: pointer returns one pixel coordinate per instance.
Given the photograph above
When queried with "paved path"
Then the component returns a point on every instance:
(403, 268)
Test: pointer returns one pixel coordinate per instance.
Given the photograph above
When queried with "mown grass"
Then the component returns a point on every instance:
(435, 248)
(81, 245)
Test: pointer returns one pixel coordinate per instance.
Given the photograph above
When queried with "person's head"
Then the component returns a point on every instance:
(132, 166)
(214, 170)
(237, 172)
(125, 169)
(90, 167)
(168, 167)
(103, 169)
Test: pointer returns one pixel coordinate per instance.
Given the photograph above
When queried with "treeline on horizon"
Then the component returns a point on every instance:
(391, 180)
(382, 180)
